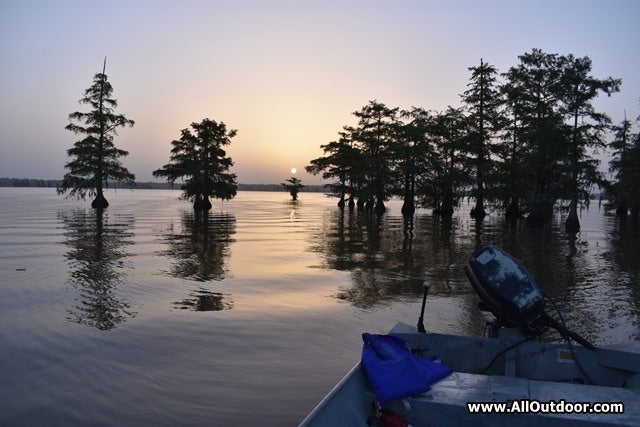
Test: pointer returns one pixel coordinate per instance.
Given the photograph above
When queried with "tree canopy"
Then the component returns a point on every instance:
(625, 165)
(293, 185)
(199, 159)
(520, 143)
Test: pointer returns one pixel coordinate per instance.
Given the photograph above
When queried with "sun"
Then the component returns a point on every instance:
(294, 170)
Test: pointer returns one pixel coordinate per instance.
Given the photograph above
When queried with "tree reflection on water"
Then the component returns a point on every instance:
(203, 300)
(593, 279)
(389, 257)
(96, 258)
(200, 249)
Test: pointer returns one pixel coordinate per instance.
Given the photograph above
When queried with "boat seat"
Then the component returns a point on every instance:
(448, 398)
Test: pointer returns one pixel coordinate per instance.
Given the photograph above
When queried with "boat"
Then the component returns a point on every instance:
(509, 376)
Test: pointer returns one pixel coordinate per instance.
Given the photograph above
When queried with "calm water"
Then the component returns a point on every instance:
(147, 315)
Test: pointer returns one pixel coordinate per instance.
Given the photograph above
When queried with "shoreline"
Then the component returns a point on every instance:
(148, 185)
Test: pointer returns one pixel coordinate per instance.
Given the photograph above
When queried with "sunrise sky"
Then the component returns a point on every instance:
(286, 74)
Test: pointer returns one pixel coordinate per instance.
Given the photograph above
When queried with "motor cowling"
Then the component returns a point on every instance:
(506, 288)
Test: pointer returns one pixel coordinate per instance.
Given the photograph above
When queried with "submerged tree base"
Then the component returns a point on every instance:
(513, 211)
(572, 225)
(535, 219)
(99, 202)
(444, 212)
(201, 204)
(478, 213)
(621, 211)
(408, 208)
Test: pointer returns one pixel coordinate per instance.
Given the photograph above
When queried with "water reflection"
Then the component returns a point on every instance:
(199, 247)
(203, 300)
(388, 256)
(96, 259)
(593, 278)
(623, 237)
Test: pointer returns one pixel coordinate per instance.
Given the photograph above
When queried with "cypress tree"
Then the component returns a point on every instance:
(95, 158)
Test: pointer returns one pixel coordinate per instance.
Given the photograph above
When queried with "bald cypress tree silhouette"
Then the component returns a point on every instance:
(199, 157)
(95, 159)
(293, 186)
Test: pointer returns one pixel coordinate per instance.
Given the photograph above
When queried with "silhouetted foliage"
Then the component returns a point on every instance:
(412, 152)
(483, 102)
(293, 186)
(625, 164)
(525, 142)
(200, 158)
(535, 82)
(587, 127)
(445, 178)
(340, 164)
(375, 136)
(511, 183)
(558, 126)
(95, 159)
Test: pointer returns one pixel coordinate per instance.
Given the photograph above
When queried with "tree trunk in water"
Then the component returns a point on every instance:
(572, 224)
(369, 204)
(100, 202)
(478, 211)
(622, 210)
(379, 207)
(352, 203)
(201, 203)
(408, 206)
(446, 209)
(513, 210)
(536, 215)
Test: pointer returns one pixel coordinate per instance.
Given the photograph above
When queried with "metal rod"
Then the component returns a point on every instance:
(426, 287)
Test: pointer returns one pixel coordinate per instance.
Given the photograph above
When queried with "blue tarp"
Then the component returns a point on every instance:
(393, 371)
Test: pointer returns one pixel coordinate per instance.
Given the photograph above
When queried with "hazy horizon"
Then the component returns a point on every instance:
(287, 75)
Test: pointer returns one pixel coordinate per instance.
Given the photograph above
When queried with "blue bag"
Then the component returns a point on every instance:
(393, 371)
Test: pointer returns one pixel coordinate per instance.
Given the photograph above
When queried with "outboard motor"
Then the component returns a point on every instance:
(507, 289)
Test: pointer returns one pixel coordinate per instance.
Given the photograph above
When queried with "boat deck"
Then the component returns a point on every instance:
(529, 375)
(449, 397)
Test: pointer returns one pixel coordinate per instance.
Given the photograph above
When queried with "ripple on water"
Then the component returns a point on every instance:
(149, 315)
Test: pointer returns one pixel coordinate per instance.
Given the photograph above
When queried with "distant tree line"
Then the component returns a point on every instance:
(520, 142)
(27, 182)
(55, 183)
(147, 185)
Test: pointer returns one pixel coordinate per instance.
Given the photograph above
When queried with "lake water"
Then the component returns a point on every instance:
(149, 315)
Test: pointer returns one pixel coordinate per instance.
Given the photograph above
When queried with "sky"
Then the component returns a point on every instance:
(286, 74)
